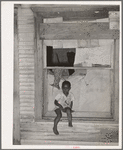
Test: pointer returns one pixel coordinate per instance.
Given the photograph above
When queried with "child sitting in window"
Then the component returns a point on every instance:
(63, 102)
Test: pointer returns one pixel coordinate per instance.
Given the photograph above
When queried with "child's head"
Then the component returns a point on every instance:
(66, 86)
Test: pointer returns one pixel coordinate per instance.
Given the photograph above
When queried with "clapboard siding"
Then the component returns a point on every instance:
(26, 64)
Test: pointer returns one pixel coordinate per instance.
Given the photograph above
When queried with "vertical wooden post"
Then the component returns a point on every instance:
(116, 81)
(16, 105)
(38, 71)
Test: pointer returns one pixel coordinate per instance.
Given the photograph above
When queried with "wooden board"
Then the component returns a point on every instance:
(77, 31)
(16, 106)
(38, 72)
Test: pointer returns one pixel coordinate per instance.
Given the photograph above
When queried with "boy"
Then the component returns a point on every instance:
(63, 102)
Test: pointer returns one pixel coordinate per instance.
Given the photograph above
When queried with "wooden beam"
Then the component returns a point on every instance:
(75, 15)
(116, 80)
(77, 31)
(38, 72)
(63, 8)
(16, 105)
(74, 12)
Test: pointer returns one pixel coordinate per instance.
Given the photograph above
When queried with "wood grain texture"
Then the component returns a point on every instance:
(26, 47)
(38, 72)
(116, 80)
(16, 106)
(29, 52)
(92, 133)
(77, 31)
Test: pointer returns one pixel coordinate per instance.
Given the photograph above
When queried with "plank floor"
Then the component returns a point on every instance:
(80, 134)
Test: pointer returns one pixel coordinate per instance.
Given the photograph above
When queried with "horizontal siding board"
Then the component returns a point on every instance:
(26, 56)
(30, 26)
(22, 80)
(26, 52)
(25, 18)
(28, 88)
(27, 112)
(26, 76)
(26, 47)
(26, 120)
(26, 104)
(26, 71)
(26, 37)
(26, 68)
(26, 30)
(26, 43)
(27, 92)
(23, 22)
(27, 96)
(26, 64)
(27, 59)
(27, 84)
(25, 108)
(27, 100)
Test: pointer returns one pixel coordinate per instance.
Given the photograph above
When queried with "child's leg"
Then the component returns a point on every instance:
(69, 116)
(56, 120)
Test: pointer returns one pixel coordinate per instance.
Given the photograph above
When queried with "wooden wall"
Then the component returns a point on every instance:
(26, 63)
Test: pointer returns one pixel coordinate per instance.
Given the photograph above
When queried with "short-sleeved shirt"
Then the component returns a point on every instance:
(63, 100)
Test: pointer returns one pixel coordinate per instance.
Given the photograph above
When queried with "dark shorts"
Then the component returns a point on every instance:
(59, 110)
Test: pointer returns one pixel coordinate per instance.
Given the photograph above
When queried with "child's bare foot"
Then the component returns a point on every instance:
(72, 111)
(55, 131)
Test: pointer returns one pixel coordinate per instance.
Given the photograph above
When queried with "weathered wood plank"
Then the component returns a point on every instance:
(25, 18)
(23, 22)
(29, 52)
(26, 30)
(38, 71)
(27, 120)
(116, 80)
(50, 142)
(26, 37)
(26, 68)
(26, 43)
(25, 108)
(16, 113)
(83, 114)
(29, 80)
(26, 76)
(77, 31)
(27, 105)
(24, 64)
(26, 100)
(26, 60)
(28, 88)
(26, 71)
(26, 56)
(26, 26)
(26, 96)
(26, 112)
(27, 92)
(26, 47)
(44, 126)
(27, 84)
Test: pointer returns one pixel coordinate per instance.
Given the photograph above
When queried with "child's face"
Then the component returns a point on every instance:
(66, 88)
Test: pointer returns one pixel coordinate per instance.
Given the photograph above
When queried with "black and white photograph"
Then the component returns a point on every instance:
(66, 74)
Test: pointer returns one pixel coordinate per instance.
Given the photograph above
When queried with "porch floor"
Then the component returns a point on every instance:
(84, 133)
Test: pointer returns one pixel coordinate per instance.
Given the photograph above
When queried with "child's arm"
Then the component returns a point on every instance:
(57, 104)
